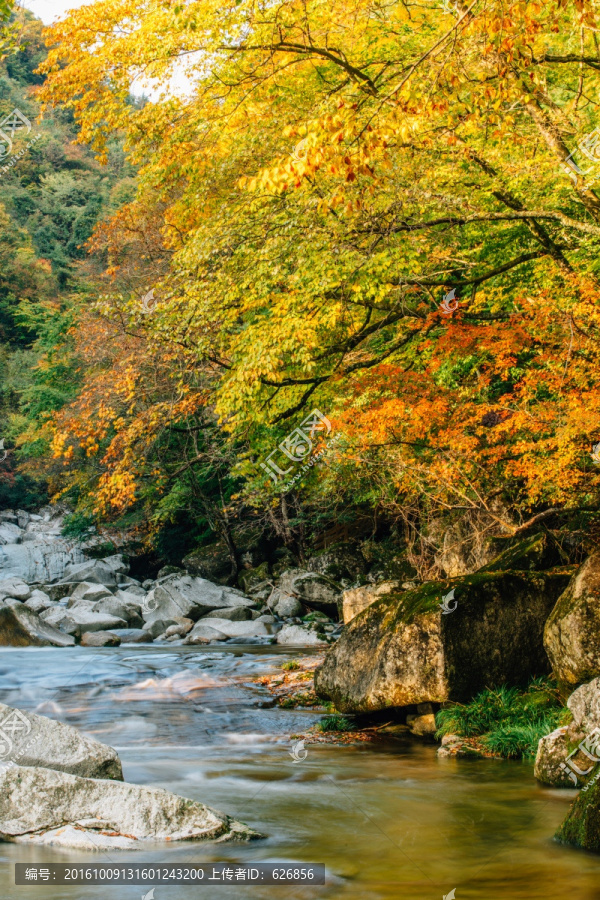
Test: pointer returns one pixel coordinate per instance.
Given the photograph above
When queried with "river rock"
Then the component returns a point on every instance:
(100, 639)
(29, 739)
(9, 533)
(204, 634)
(314, 590)
(130, 612)
(287, 607)
(296, 635)
(158, 626)
(42, 806)
(190, 597)
(58, 617)
(14, 587)
(94, 570)
(90, 620)
(133, 635)
(232, 613)
(117, 563)
(212, 562)
(572, 633)
(89, 591)
(554, 748)
(581, 827)
(40, 561)
(22, 627)
(403, 649)
(232, 629)
(39, 601)
(357, 599)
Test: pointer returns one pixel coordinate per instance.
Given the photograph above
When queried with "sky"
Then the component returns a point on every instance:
(51, 10)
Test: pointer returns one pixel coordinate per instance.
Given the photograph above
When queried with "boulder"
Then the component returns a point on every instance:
(117, 563)
(256, 581)
(189, 597)
(29, 739)
(89, 591)
(233, 613)
(130, 612)
(422, 725)
(39, 601)
(532, 554)
(94, 570)
(100, 639)
(90, 620)
(58, 617)
(14, 587)
(41, 561)
(296, 635)
(41, 806)
(404, 649)
(572, 633)
(555, 762)
(341, 562)
(204, 634)
(231, 629)
(287, 607)
(60, 590)
(581, 827)
(212, 562)
(133, 635)
(22, 627)
(315, 591)
(158, 626)
(10, 533)
(357, 599)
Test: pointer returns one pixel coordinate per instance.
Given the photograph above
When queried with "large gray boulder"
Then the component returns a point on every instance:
(14, 587)
(405, 649)
(90, 620)
(204, 634)
(42, 806)
(100, 639)
(94, 570)
(10, 533)
(315, 591)
(59, 617)
(231, 629)
(129, 612)
(29, 739)
(297, 636)
(39, 601)
(572, 633)
(185, 595)
(22, 627)
(85, 590)
(39, 561)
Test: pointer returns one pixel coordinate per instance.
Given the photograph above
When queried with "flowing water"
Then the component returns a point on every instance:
(388, 820)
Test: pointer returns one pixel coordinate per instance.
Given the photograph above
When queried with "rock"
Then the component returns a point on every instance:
(533, 554)
(41, 806)
(58, 617)
(87, 590)
(266, 620)
(190, 597)
(60, 590)
(212, 562)
(22, 627)
(170, 570)
(204, 634)
(551, 763)
(316, 591)
(581, 827)
(9, 533)
(470, 542)
(422, 725)
(178, 630)
(94, 570)
(341, 562)
(403, 649)
(572, 633)
(357, 599)
(100, 639)
(131, 595)
(253, 581)
(14, 587)
(7, 515)
(39, 601)
(29, 739)
(39, 561)
(128, 611)
(133, 635)
(552, 752)
(287, 607)
(131, 585)
(89, 620)
(296, 635)
(158, 626)
(231, 629)
(232, 613)
(117, 563)
(148, 584)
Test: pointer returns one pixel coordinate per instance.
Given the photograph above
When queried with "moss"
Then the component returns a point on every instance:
(581, 828)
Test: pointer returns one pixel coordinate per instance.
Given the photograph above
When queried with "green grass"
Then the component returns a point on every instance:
(290, 665)
(335, 723)
(509, 721)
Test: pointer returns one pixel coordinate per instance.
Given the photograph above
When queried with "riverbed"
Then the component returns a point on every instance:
(388, 819)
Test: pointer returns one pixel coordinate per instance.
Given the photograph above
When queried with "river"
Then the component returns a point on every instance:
(388, 819)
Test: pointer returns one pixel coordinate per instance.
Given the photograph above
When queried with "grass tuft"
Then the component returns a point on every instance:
(335, 723)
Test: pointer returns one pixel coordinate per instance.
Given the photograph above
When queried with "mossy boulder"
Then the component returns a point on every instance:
(572, 633)
(404, 649)
(581, 828)
(532, 554)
